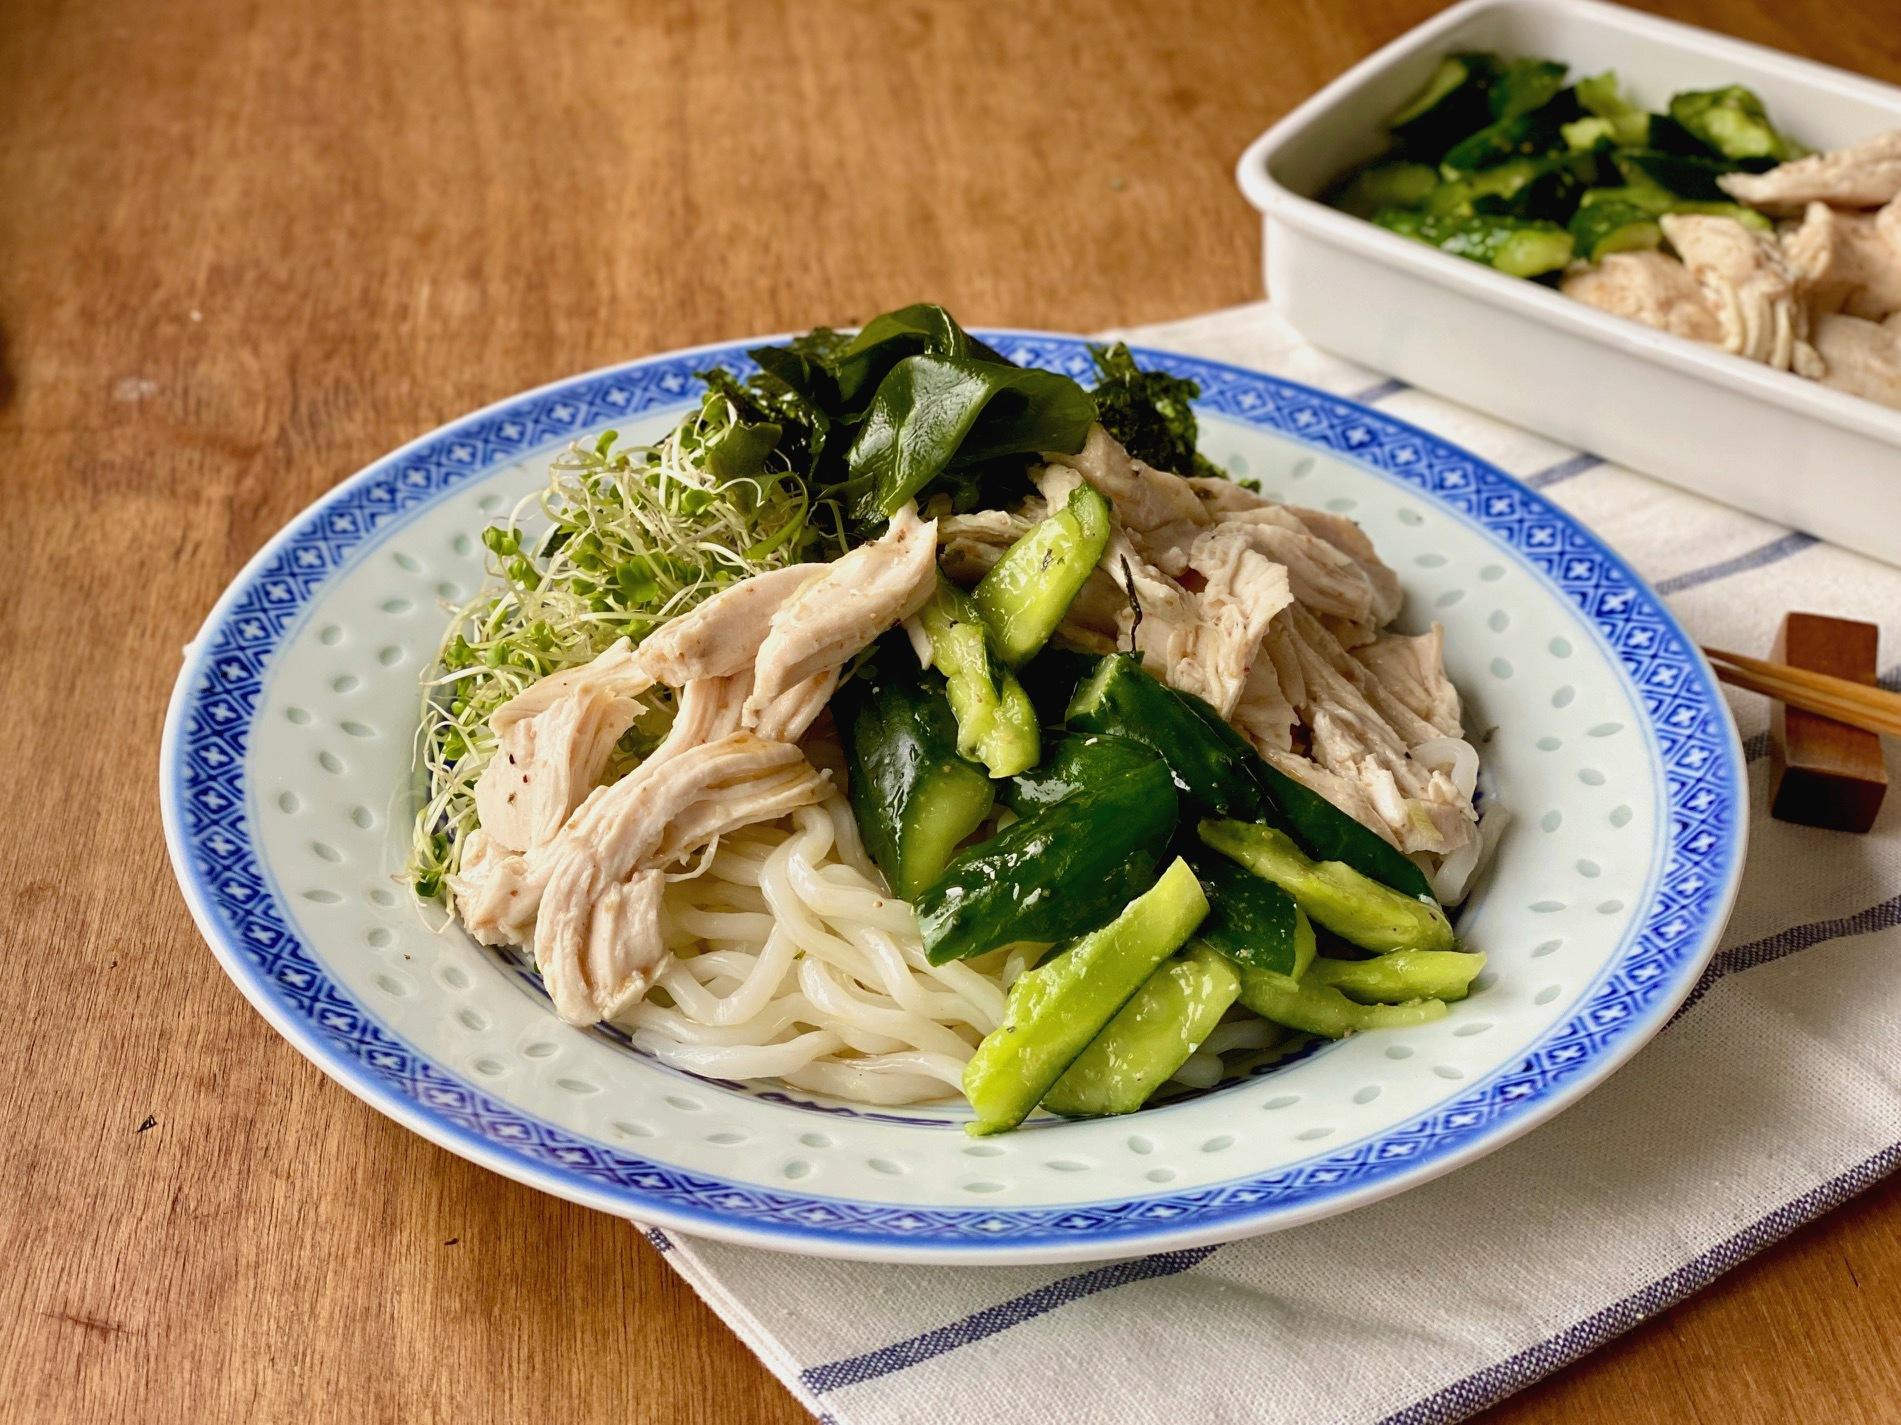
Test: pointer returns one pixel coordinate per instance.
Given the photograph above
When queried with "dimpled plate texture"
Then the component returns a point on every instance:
(287, 790)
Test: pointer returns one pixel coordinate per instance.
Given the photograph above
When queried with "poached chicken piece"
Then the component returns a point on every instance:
(1815, 298)
(1848, 262)
(1750, 288)
(576, 869)
(1276, 616)
(833, 616)
(548, 761)
(1242, 590)
(1145, 499)
(1864, 175)
(1864, 358)
(1648, 287)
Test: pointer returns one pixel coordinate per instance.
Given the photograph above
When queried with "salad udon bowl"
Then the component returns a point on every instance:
(288, 796)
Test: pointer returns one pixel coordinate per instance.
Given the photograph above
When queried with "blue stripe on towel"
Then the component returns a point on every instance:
(1014, 1312)
(1379, 392)
(1494, 1383)
(1774, 551)
(1563, 470)
(1883, 915)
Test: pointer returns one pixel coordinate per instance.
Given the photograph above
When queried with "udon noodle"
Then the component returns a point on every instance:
(792, 961)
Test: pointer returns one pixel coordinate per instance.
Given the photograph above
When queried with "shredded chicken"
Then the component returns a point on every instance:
(1864, 175)
(616, 671)
(723, 635)
(1649, 287)
(1325, 578)
(1863, 357)
(1275, 615)
(858, 597)
(575, 869)
(969, 545)
(1347, 537)
(593, 889)
(1224, 497)
(1848, 262)
(1144, 498)
(1262, 712)
(1412, 670)
(1749, 287)
(548, 762)
(1241, 592)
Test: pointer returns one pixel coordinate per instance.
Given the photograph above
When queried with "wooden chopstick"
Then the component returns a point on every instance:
(1843, 699)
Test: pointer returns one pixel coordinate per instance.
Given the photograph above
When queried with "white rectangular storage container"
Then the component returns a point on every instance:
(1766, 441)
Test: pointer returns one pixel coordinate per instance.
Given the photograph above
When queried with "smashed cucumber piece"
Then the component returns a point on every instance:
(1732, 121)
(1027, 592)
(1683, 175)
(1514, 246)
(1054, 1010)
(1077, 763)
(1610, 117)
(1400, 977)
(1320, 1009)
(1518, 188)
(1523, 85)
(996, 722)
(1528, 133)
(1355, 907)
(1251, 920)
(1121, 699)
(1453, 101)
(1150, 1038)
(1058, 873)
(1385, 185)
(914, 798)
(1657, 200)
(1588, 134)
(1604, 228)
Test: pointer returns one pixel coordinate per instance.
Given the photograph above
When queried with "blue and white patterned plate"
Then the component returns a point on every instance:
(287, 795)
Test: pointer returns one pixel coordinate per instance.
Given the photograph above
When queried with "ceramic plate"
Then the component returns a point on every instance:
(288, 792)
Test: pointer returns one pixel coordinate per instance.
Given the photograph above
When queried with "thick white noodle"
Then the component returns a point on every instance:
(792, 961)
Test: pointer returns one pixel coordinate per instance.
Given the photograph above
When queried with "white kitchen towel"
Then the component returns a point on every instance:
(1775, 1095)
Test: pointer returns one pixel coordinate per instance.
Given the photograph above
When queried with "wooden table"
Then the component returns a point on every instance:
(247, 247)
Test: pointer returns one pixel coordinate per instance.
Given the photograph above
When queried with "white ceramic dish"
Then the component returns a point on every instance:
(287, 792)
(1781, 447)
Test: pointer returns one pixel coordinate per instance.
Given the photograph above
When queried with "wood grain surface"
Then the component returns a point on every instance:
(245, 248)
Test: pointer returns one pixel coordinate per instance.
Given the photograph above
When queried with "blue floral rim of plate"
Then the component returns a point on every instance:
(203, 786)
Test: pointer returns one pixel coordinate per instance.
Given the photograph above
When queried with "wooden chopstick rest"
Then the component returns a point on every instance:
(1823, 772)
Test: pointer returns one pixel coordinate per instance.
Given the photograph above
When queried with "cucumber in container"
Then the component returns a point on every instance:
(1518, 247)
(1530, 173)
